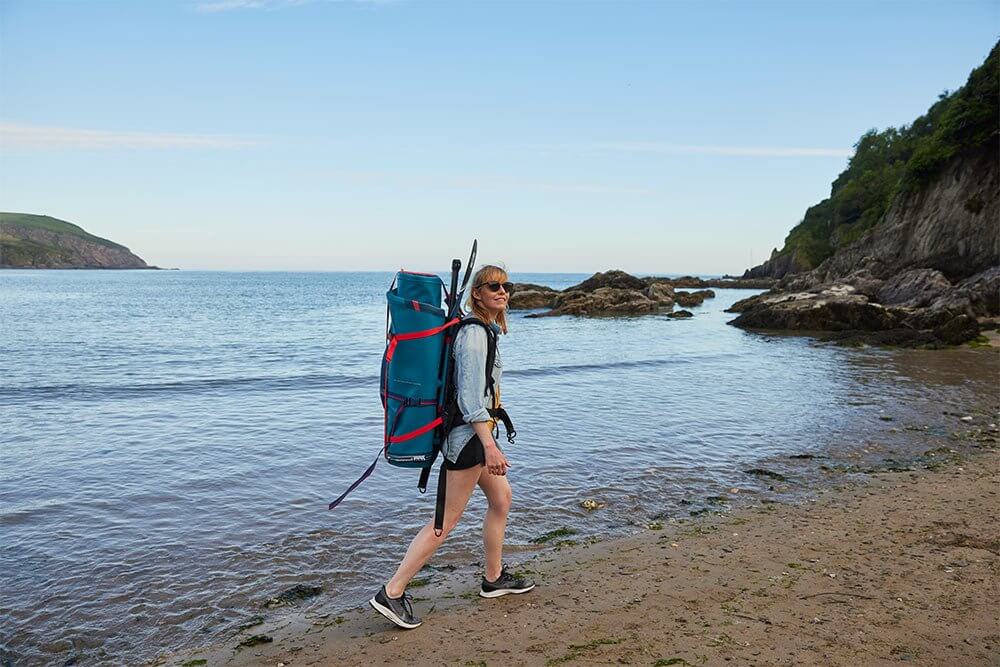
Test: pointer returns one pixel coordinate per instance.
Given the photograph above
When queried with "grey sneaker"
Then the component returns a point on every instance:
(506, 583)
(398, 610)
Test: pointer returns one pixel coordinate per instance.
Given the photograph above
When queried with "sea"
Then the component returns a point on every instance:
(170, 440)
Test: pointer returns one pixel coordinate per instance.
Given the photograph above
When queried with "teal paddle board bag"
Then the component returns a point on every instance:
(421, 319)
(413, 370)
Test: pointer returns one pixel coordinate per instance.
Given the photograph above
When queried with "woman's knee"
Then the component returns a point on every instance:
(501, 501)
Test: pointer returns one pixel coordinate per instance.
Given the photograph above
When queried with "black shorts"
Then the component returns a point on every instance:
(472, 455)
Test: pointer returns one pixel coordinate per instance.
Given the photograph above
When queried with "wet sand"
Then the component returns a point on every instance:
(904, 567)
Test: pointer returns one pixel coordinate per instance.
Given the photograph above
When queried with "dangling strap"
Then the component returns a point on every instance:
(508, 425)
(425, 474)
(356, 484)
(439, 502)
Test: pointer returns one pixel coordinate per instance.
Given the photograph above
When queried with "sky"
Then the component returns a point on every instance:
(654, 137)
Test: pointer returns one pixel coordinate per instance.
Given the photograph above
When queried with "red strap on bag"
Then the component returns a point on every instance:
(414, 335)
(427, 333)
(420, 431)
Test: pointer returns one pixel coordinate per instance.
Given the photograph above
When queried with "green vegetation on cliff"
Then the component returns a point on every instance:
(40, 241)
(51, 224)
(891, 163)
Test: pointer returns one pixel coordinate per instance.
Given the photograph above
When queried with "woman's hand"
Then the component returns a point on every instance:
(496, 462)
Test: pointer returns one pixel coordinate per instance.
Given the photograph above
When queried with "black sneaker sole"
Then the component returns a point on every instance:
(504, 591)
(388, 613)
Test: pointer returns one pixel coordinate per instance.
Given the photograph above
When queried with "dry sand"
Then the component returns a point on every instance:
(904, 568)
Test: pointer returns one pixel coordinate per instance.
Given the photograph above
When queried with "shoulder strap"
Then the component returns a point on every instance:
(491, 348)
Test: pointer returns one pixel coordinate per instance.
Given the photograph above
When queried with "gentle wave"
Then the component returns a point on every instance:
(93, 392)
(84, 392)
(565, 369)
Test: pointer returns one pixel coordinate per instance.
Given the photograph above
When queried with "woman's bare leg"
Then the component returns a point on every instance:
(460, 486)
(497, 490)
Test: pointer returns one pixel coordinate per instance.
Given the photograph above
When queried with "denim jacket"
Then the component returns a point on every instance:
(470, 380)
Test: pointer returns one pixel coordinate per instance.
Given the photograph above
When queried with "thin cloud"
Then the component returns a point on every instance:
(751, 151)
(216, 6)
(405, 181)
(14, 135)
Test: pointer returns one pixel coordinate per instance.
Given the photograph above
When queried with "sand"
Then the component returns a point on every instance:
(904, 568)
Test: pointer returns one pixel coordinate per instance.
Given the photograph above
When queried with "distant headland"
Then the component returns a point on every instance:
(30, 241)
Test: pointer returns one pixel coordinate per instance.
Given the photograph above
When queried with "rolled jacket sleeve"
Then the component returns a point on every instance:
(470, 374)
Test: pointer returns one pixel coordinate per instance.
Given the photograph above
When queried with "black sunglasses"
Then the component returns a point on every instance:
(495, 287)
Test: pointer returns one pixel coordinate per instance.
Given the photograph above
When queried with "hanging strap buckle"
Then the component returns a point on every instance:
(508, 426)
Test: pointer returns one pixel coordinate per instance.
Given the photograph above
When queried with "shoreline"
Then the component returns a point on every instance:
(903, 565)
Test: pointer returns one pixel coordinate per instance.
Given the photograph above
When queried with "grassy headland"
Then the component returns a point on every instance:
(40, 241)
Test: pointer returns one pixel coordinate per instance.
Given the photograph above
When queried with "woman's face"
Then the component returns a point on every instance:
(494, 301)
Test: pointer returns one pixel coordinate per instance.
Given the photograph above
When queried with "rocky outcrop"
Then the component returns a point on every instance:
(527, 296)
(616, 279)
(661, 293)
(778, 266)
(602, 302)
(832, 308)
(916, 288)
(922, 276)
(983, 292)
(689, 299)
(615, 293)
(608, 294)
(917, 308)
(29, 241)
(683, 281)
(531, 287)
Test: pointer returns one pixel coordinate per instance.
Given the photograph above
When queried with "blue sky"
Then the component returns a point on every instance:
(351, 135)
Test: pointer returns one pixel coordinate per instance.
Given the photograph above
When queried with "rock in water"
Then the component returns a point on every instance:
(618, 294)
(602, 302)
(661, 293)
(842, 308)
(763, 472)
(689, 299)
(616, 279)
(830, 308)
(530, 299)
(294, 594)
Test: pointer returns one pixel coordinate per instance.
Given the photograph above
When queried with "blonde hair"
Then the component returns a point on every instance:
(487, 274)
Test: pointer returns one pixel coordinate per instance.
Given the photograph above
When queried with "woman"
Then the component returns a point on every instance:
(471, 457)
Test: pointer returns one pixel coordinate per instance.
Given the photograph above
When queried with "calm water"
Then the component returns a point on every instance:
(170, 440)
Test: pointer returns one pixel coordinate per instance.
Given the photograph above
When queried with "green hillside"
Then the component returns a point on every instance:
(53, 225)
(30, 241)
(895, 161)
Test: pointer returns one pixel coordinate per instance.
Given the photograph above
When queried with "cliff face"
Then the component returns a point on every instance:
(778, 266)
(950, 225)
(41, 242)
(927, 275)
(924, 188)
(953, 226)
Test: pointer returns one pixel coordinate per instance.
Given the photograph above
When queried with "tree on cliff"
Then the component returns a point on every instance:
(895, 161)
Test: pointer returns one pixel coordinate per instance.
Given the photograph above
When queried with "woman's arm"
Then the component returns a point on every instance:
(473, 400)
